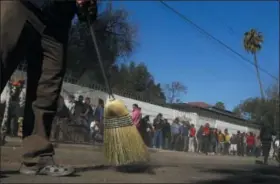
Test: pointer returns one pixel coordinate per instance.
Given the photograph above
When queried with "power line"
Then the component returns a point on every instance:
(214, 38)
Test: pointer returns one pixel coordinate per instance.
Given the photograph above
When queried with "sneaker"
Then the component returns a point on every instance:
(47, 169)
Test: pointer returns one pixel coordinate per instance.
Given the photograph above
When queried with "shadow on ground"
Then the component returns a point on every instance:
(243, 175)
(135, 169)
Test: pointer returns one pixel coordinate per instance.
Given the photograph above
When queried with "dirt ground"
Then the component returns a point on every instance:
(165, 167)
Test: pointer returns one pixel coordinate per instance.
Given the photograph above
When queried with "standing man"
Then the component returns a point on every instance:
(166, 133)
(221, 142)
(70, 104)
(41, 26)
(184, 133)
(240, 150)
(227, 142)
(98, 115)
(158, 125)
(89, 112)
(192, 140)
(206, 138)
(175, 134)
(199, 139)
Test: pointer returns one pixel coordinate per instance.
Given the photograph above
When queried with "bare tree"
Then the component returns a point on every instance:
(174, 91)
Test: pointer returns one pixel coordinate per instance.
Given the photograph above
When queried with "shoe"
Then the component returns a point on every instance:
(47, 169)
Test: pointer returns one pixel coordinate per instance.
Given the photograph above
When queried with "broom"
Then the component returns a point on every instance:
(123, 145)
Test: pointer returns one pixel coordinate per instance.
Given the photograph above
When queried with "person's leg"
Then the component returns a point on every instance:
(191, 146)
(165, 140)
(176, 142)
(160, 139)
(14, 118)
(171, 142)
(205, 145)
(155, 139)
(218, 148)
(184, 143)
(198, 145)
(210, 147)
(248, 150)
(187, 143)
(221, 148)
(33, 75)
(17, 34)
(224, 148)
(227, 148)
(266, 150)
(151, 139)
(238, 149)
(235, 149)
(36, 145)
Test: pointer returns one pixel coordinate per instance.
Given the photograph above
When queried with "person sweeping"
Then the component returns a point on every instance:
(38, 31)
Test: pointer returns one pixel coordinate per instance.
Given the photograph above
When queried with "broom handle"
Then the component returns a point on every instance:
(107, 85)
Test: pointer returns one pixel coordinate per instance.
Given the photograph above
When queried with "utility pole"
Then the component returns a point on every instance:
(277, 121)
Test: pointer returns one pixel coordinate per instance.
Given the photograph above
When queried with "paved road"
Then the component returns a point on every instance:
(165, 167)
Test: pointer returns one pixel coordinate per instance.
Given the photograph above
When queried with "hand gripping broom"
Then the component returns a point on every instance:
(123, 145)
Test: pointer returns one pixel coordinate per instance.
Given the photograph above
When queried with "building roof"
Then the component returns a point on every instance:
(199, 104)
(232, 116)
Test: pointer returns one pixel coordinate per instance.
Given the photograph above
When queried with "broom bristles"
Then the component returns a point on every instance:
(123, 145)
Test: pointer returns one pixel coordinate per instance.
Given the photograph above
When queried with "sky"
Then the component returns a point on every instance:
(174, 50)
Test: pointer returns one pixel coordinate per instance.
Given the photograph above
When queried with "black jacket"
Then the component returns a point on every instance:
(166, 130)
(266, 132)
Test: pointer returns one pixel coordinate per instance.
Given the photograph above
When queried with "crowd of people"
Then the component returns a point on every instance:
(180, 135)
(80, 111)
(71, 110)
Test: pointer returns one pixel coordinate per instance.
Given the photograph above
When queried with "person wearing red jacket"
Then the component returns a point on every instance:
(192, 140)
(206, 138)
(250, 140)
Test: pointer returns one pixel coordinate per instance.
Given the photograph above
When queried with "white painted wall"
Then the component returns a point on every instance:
(86, 92)
(232, 128)
(203, 120)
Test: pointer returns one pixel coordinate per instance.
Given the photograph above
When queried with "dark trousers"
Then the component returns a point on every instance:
(157, 142)
(240, 149)
(174, 143)
(226, 148)
(249, 150)
(266, 146)
(22, 31)
(205, 144)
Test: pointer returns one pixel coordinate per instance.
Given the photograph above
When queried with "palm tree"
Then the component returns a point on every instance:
(253, 43)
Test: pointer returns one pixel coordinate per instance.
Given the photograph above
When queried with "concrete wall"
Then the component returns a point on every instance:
(232, 128)
(86, 92)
